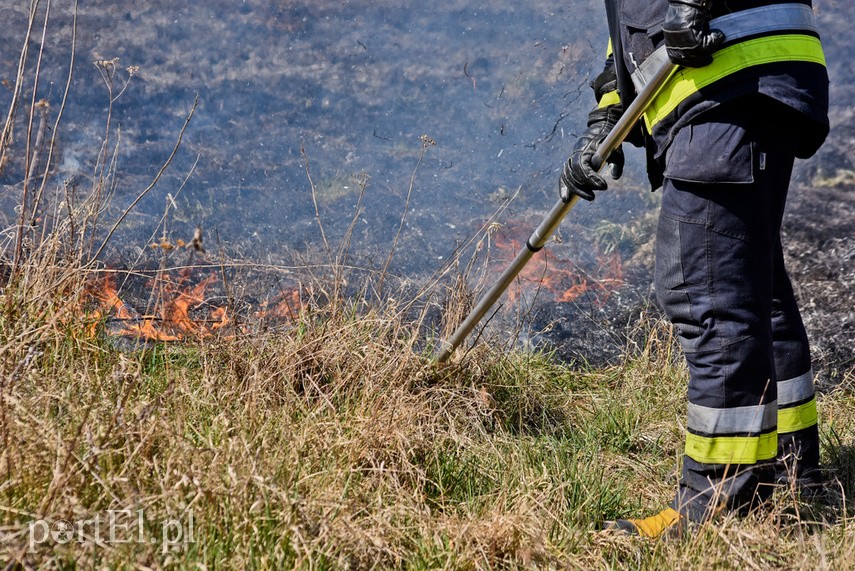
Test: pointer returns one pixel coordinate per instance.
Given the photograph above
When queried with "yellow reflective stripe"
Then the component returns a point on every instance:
(797, 417)
(770, 49)
(609, 49)
(731, 449)
(610, 98)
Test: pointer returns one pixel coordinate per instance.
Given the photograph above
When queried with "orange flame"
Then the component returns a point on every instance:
(176, 313)
(170, 320)
(560, 278)
(288, 306)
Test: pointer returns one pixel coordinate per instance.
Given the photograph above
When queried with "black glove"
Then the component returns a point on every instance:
(579, 176)
(688, 37)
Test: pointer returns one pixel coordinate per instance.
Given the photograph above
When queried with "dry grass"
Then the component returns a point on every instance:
(336, 444)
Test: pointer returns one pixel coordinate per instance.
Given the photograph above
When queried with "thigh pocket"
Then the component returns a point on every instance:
(672, 291)
(711, 152)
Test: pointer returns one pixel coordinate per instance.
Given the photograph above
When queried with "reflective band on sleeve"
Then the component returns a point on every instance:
(610, 98)
(734, 420)
(609, 49)
(795, 390)
(731, 449)
(759, 51)
(797, 417)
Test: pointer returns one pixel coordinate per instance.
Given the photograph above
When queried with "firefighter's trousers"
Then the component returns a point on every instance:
(721, 280)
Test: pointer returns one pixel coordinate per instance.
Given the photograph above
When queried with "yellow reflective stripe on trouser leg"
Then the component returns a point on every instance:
(797, 417)
(731, 449)
(770, 49)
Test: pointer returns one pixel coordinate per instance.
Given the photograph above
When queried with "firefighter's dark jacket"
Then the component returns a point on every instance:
(786, 65)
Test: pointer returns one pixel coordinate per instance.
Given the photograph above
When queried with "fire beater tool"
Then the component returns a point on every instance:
(542, 233)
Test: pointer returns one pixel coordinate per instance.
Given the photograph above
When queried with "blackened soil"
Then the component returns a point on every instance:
(819, 242)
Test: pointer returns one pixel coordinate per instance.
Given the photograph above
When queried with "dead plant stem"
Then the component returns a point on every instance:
(152, 184)
(344, 249)
(314, 199)
(426, 142)
(104, 170)
(5, 140)
(52, 144)
(30, 153)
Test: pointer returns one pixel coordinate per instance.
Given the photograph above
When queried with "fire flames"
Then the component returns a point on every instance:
(181, 309)
(170, 320)
(287, 306)
(560, 279)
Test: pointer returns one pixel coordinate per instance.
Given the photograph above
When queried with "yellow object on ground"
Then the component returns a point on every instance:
(653, 527)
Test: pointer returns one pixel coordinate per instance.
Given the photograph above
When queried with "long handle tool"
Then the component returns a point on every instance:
(542, 233)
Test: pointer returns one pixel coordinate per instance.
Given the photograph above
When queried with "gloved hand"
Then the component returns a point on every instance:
(579, 176)
(688, 38)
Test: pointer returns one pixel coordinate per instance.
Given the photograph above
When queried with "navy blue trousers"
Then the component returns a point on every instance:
(720, 278)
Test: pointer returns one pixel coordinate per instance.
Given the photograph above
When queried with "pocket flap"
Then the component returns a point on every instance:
(711, 152)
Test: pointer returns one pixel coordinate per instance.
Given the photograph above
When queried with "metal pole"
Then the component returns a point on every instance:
(542, 233)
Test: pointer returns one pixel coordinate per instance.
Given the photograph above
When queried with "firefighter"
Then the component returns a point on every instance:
(721, 137)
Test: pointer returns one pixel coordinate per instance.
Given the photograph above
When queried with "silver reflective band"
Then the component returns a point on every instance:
(736, 420)
(796, 390)
(736, 26)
